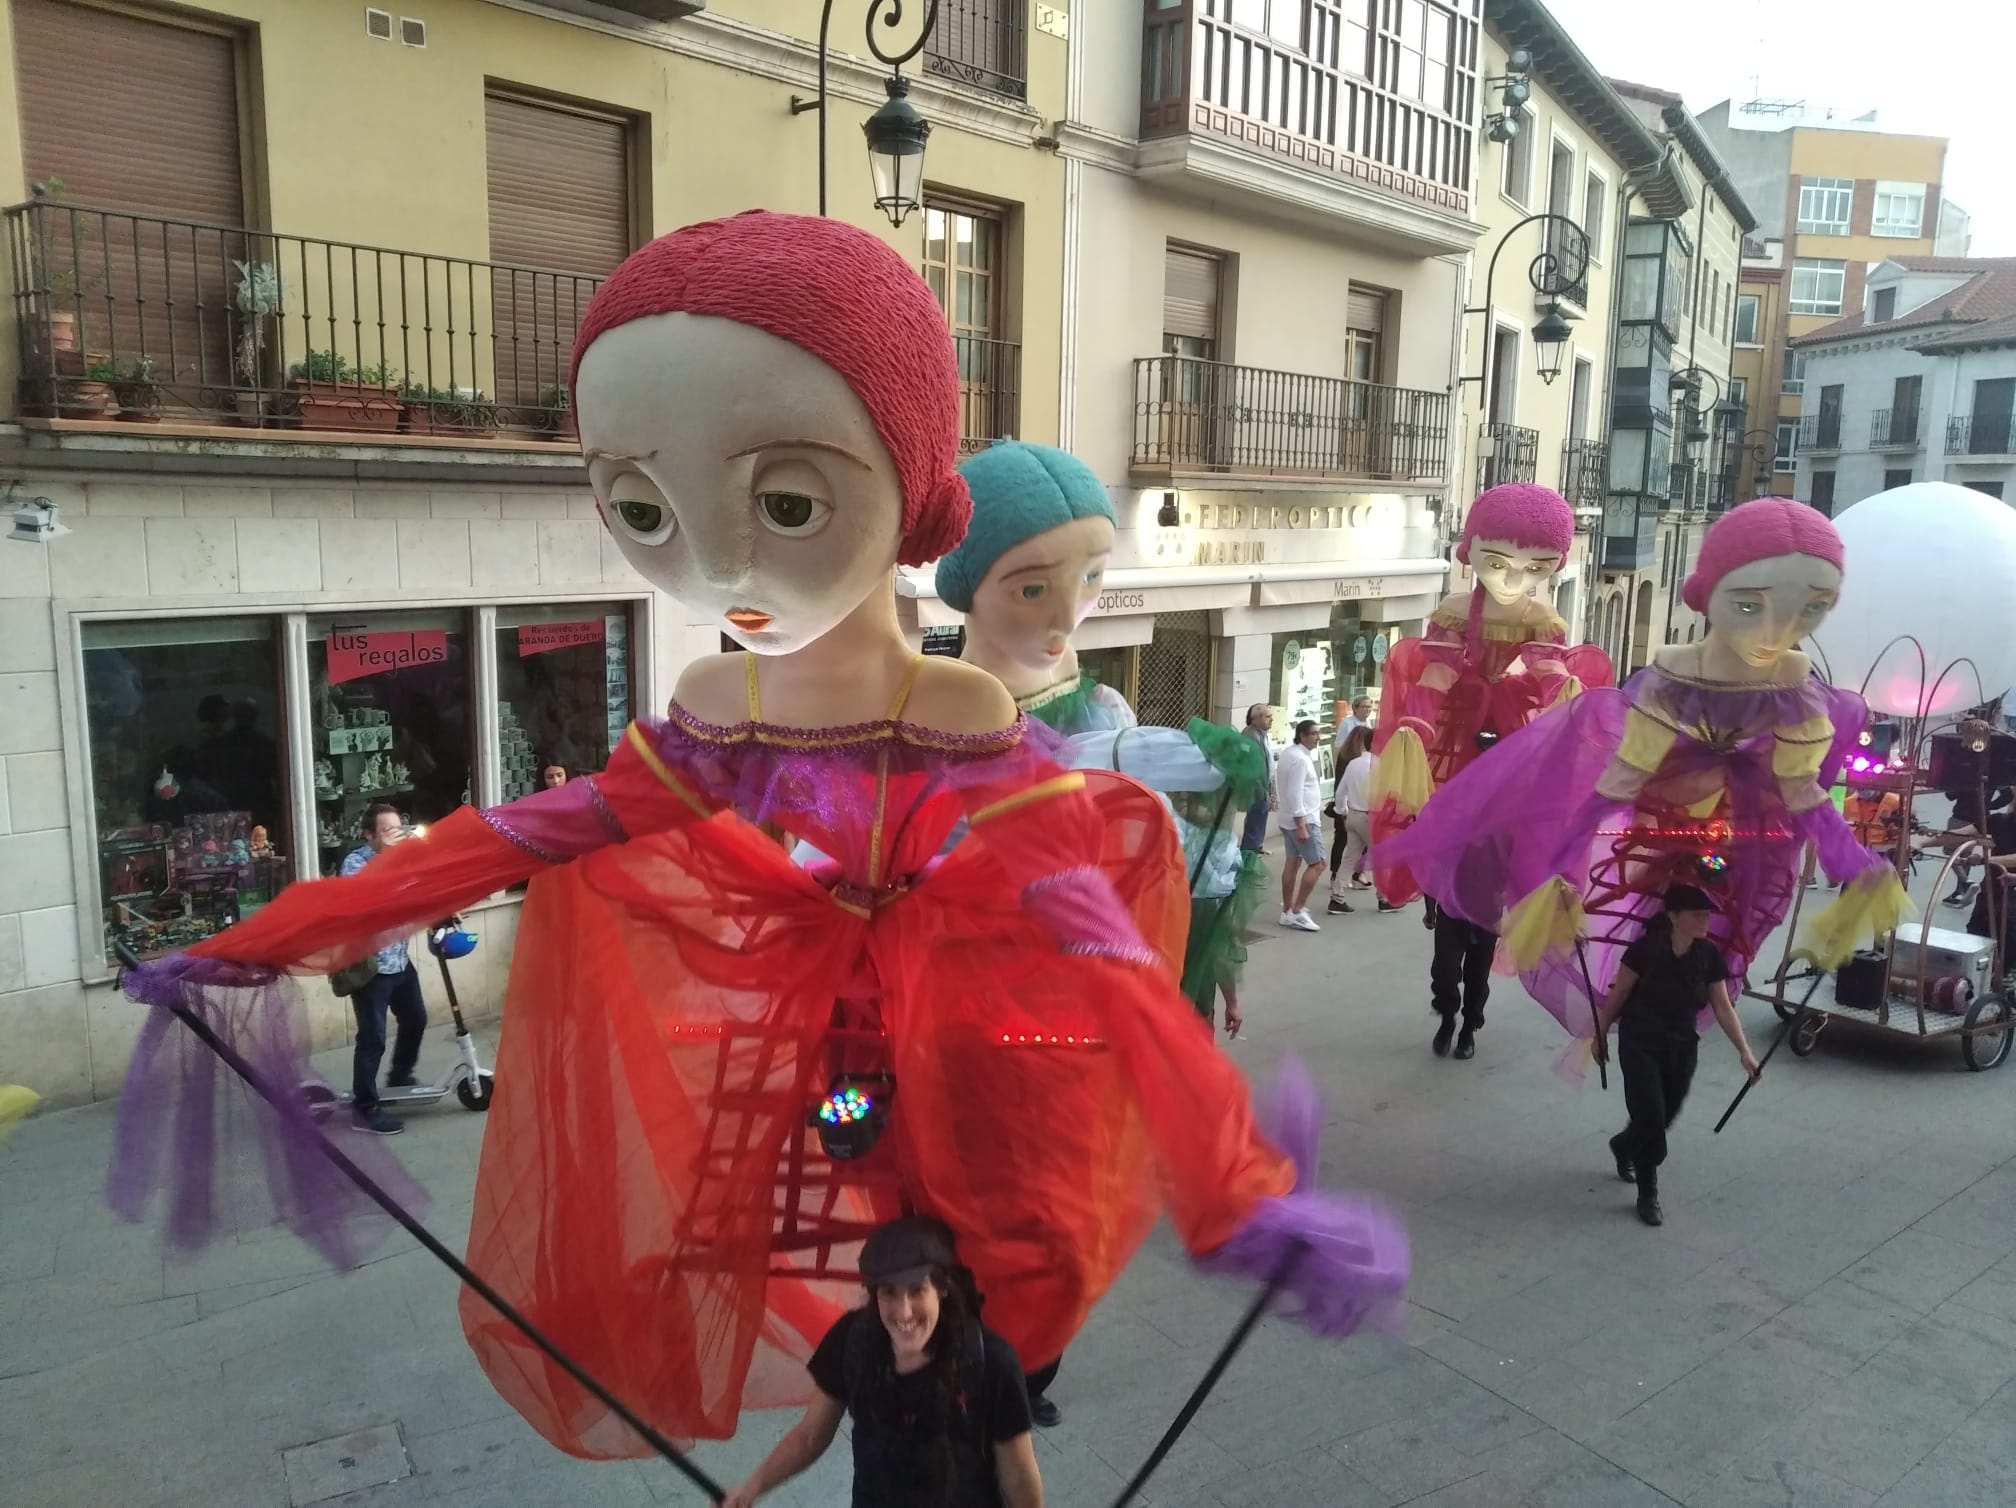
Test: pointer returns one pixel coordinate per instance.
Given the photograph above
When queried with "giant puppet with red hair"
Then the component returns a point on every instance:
(1710, 767)
(720, 1069)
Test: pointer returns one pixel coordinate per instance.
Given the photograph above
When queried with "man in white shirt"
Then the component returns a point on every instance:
(1298, 796)
(1361, 717)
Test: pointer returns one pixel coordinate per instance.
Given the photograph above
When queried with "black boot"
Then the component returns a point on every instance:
(1443, 1034)
(1648, 1209)
(1466, 1045)
(1625, 1172)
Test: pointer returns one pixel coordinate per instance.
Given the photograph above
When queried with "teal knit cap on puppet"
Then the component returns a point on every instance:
(1019, 491)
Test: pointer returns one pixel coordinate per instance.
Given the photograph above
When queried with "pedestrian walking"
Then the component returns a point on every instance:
(1351, 843)
(940, 1415)
(1459, 979)
(1667, 978)
(394, 990)
(1299, 800)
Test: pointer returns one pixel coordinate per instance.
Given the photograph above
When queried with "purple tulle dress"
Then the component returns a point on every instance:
(1715, 812)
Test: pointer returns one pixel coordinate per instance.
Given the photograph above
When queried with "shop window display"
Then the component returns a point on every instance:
(389, 704)
(563, 689)
(188, 776)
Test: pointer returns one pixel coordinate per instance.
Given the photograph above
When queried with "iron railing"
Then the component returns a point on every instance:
(984, 43)
(1894, 429)
(1820, 432)
(1515, 454)
(1686, 488)
(1630, 534)
(1981, 435)
(1210, 416)
(1568, 247)
(1585, 473)
(203, 322)
(990, 390)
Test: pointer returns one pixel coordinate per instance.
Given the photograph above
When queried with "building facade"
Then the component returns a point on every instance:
(287, 351)
(1840, 196)
(1263, 283)
(1919, 385)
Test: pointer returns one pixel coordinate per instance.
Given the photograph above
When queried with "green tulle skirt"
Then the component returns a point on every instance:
(1216, 952)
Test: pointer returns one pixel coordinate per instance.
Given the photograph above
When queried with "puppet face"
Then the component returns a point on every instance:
(1508, 572)
(1761, 610)
(740, 474)
(1036, 595)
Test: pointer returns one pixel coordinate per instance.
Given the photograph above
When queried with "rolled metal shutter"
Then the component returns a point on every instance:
(1366, 309)
(1190, 283)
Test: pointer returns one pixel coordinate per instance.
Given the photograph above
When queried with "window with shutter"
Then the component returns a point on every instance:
(560, 220)
(123, 114)
(1190, 299)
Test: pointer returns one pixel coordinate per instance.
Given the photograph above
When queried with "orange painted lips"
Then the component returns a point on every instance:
(748, 621)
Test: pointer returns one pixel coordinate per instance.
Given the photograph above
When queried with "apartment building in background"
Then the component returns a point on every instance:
(295, 288)
(1918, 385)
(1840, 196)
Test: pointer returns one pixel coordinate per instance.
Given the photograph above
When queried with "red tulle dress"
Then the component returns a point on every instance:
(654, 1192)
(1458, 702)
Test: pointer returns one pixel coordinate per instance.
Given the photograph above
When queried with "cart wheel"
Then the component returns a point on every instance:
(319, 1098)
(1988, 1033)
(476, 1096)
(1785, 1009)
(1806, 1034)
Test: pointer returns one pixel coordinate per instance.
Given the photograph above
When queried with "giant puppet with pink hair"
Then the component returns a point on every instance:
(1710, 767)
(720, 1069)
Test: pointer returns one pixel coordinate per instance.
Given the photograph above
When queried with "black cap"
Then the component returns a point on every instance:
(903, 1251)
(1689, 898)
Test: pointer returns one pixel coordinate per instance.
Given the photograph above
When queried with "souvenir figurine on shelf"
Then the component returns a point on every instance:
(1491, 660)
(325, 780)
(1712, 768)
(743, 1064)
(261, 845)
(165, 786)
(1026, 575)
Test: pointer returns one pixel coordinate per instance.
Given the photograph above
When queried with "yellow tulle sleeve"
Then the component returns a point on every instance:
(1867, 908)
(1646, 741)
(15, 1102)
(1401, 774)
(1546, 924)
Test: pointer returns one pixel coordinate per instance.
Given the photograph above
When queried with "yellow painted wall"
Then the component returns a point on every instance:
(1822, 153)
(364, 141)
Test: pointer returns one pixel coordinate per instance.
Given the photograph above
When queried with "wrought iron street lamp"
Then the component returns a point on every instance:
(1550, 343)
(896, 133)
(1556, 273)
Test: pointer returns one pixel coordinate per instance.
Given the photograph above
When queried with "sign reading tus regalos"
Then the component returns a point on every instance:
(353, 656)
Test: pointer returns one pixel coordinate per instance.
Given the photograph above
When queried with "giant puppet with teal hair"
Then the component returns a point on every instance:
(1027, 574)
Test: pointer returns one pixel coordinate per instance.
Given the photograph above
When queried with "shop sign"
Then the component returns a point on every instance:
(1357, 587)
(538, 638)
(1122, 602)
(353, 656)
(1360, 648)
(1379, 650)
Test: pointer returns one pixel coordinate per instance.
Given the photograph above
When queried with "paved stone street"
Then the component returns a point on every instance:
(1827, 1320)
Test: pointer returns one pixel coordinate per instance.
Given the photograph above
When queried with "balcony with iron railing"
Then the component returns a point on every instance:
(1895, 429)
(1211, 419)
(1585, 473)
(1981, 435)
(1686, 488)
(1344, 109)
(1510, 452)
(984, 43)
(135, 320)
(1820, 434)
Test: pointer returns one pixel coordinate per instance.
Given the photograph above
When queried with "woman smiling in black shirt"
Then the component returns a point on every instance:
(1666, 979)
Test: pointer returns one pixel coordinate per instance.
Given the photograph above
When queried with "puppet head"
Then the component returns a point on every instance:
(1031, 565)
(769, 409)
(1516, 537)
(1768, 574)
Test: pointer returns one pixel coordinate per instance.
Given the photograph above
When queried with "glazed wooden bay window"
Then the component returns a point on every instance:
(965, 247)
(1379, 90)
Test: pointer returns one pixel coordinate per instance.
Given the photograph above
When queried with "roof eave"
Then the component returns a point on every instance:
(1573, 80)
(1680, 121)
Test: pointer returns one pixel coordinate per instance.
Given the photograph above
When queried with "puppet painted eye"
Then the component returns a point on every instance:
(1092, 576)
(645, 521)
(1031, 591)
(793, 514)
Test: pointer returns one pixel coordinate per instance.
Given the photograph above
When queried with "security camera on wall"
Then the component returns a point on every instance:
(35, 520)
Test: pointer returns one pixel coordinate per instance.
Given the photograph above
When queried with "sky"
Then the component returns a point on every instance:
(1929, 67)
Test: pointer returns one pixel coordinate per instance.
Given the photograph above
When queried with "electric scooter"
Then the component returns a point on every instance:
(466, 1078)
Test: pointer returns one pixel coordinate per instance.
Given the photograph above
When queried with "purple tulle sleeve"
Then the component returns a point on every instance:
(225, 1159)
(1353, 1273)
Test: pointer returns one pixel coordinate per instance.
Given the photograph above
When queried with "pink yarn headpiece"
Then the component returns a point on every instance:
(1520, 513)
(844, 296)
(1761, 529)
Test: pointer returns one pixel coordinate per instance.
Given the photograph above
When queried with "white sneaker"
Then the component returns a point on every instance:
(1306, 922)
(1288, 919)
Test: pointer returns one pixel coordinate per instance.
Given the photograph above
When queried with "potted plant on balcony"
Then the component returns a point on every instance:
(445, 411)
(258, 302)
(326, 392)
(138, 392)
(88, 396)
(556, 416)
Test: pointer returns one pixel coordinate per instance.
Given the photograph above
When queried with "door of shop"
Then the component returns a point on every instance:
(1174, 677)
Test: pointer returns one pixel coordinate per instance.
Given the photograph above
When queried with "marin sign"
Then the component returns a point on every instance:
(352, 656)
(537, 638)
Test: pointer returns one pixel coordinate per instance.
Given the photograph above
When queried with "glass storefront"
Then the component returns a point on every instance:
(189, 787)
(563, 689)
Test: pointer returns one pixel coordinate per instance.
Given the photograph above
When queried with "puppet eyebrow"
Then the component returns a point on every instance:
(825, 445)
(592, 453)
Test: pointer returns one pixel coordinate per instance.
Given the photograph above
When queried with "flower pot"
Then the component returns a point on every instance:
(139, 402)
(81, 398)
(368, 408)
(62, 329)
(466, 419)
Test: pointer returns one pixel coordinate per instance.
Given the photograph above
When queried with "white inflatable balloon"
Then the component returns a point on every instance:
(1938, 562)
